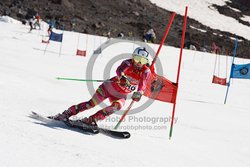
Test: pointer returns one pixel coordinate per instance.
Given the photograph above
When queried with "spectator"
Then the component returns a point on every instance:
(31, 21)
(51, 25)
(215, 48)
(73, 24)
(109, 35)
(58, 23)
(120, 35)
(37, 22)
(150, 36)
(130, 34)
(192, 47)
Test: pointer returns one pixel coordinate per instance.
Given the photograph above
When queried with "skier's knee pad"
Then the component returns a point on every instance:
(73, 110)
(90, 104)
(117, 106)
(85, 105)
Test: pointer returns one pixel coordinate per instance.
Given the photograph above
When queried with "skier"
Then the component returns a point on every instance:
(37, 22)
(51, 25)
(31, 20)
(150, 36)
(130, 74)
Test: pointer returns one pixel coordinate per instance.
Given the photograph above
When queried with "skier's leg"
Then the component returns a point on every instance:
(115, 106)
(97, 98)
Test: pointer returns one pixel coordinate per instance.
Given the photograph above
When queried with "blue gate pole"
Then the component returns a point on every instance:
(228, 85)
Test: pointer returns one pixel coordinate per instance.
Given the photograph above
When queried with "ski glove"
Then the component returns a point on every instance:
(124, 81)
(137, 96)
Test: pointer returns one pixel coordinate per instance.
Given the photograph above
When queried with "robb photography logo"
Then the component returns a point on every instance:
(119, 58)
(143, 119)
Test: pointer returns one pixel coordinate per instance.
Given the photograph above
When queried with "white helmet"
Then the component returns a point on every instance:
(141, 51)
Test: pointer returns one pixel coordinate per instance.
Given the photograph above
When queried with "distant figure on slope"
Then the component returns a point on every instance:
(31, 22)
(49, 29)
(120, 35)
(109, 34)
(215, 49)
(150, 36)
(37, 22)
(51, 26)
(130, 74)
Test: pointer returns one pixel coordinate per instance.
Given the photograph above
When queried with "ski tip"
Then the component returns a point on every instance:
(33, 112)
(115, 134)
(95, 131)
(126, 135)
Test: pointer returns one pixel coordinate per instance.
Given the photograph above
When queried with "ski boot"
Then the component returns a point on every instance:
(90, 122)
(85, 125)
(65, 115)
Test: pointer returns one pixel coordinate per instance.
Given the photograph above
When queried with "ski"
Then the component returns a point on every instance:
(80, 125)
(104, 131)
(115, 134)
(76, 124)
(70, 124)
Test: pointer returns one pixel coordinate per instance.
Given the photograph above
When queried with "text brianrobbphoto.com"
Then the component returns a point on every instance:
(152, 123)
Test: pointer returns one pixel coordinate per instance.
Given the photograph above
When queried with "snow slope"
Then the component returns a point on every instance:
(203, 12)
(206, 132)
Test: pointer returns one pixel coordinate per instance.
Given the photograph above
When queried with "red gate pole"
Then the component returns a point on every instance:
(179, 67)
(163, 39)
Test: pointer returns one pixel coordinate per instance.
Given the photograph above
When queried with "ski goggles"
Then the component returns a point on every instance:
(139, 59)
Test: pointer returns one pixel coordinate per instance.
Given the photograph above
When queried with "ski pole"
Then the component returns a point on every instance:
(84, 80)
(125, 113)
